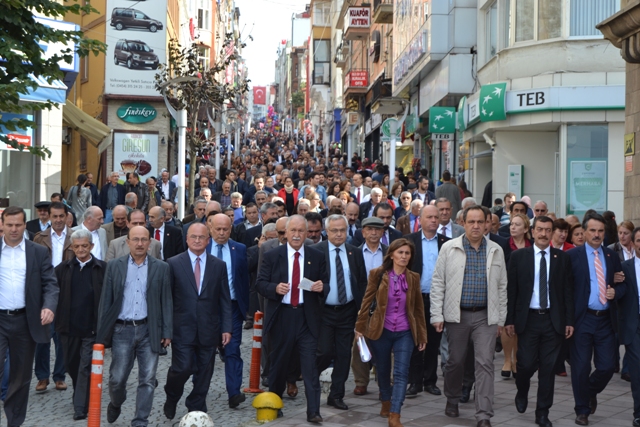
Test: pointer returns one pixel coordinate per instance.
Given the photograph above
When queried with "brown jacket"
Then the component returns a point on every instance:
(415, 306)
(44, 238)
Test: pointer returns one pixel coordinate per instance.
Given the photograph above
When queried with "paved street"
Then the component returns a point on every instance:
(53, 408)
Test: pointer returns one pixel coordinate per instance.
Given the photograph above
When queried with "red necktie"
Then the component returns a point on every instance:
(158, 234)
(295, 281)
(358, 195)
(416, 225)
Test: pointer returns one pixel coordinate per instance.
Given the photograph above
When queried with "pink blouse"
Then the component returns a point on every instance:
(395, 319)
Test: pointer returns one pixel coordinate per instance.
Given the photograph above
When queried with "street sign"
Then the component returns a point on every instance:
(386, 130)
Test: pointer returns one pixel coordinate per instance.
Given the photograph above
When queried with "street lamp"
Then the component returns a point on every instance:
(392, 106)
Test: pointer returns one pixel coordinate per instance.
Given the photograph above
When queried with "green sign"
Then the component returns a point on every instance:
(493, 102)
(462, 114)
(136, 112)
(442, 119)
(587, 183)
(386, 130)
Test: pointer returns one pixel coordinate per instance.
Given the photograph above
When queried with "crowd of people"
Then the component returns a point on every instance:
(421, 272)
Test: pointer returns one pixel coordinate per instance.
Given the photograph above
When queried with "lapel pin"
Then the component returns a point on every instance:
(309, 262)
(555, 256)
(349, 253)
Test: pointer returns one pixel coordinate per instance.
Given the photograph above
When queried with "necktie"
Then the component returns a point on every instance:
(157, 234)
(295, 281)
(219, 252)
(196, 272)
(444, 231)
(385, 241)
(342, 288)
(351, 231)
(416, 225)
(602, 287)
(543, 281)
(358, 195)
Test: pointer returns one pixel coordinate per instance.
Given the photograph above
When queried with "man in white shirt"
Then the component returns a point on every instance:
(93, 219)
(359, 189)
(446, 226)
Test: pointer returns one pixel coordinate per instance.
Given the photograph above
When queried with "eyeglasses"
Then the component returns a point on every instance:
(282, 233)
(198, 238)
(338, 230)
(138, 240)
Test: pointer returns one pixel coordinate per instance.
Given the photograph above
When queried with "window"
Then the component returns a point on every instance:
(204, 20)
(549, 19)
(83, 154)
(524, 20)
(585, 14)
(491, 31)
(537, 19)
(322, 14)
(321, 61)
(204, 57)
(507, 24)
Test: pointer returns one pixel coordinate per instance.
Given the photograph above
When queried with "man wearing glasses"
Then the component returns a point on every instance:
(540, 208)
(135, 319)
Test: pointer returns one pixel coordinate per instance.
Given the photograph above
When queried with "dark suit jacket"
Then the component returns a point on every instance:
(172, 188)
(173, 241)
(275, 270)
(104, 195)
(504, 231)
(33, 226)
(430, 196)
(504, 244)
(628, 307)
(416, 239)
(248, 238)
(364, 210)
(41, 289)
(521, 275)
(199, 319)
(217, 196)
(159, 301)
(582, 282)
(358, 239)
(240, 272)
(357, 270)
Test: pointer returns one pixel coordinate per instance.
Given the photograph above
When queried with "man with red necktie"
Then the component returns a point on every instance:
(293, 314)
(170, 237)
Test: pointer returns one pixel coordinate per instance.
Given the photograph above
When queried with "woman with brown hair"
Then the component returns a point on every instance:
(392, 318)
(560, 234)
(576, 235)
(624, 246)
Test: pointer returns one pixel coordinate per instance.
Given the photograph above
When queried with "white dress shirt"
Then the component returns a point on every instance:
(165, 190)
(449, 230)
(535, 297)
(57, 246)
(286, 299)
(13, 276)
(203, 263)
(97, 248)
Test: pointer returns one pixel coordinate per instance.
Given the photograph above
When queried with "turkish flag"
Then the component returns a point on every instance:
(259, 95)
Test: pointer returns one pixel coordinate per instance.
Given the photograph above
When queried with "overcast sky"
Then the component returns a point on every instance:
(268, 22)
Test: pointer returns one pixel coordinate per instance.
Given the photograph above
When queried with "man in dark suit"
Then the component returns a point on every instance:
(170, 238)
(215, 184)
(251, 236)
(597, 283)
(223, 196)
(367, 208)
(41, 223)
(204, 183)
(384, 211)
(112, 195)
(292, 314)
(201, 317)
(135, 331)
(28, 303)
(410, 223)
(347, 284)
(95, 198)
(540, 311)
(166, 187)
(424, 364)
(351, 212)
(628, 321)
(234, 255)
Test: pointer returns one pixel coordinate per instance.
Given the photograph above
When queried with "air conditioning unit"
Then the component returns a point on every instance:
(66, 135)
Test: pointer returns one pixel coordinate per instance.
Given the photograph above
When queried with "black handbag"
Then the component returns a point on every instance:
(374, 303)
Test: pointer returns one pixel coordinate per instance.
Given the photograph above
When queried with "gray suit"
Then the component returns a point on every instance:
(455, 229)
(103, 240)
(119, 248)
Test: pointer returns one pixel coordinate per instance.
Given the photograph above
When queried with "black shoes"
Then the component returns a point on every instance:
(543, 421)
(280, 414)
(505, 374)
(636, 422)
(265, 382)
(451, 410)
(314, 418)
(582, 420)
(521, 403)
(337, 403)
(79, 416)
(112, 413)
(235, 401)
(433, 389)
(593, 404)
(466, 394)
(169, 409)
(626, 377)
(413, 390)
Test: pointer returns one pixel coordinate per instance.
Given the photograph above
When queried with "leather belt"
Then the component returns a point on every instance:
(539, 310)
(13, 312)
(290, 306)
(473, 309)
(132, 322)
(598, 313)
(340, 307)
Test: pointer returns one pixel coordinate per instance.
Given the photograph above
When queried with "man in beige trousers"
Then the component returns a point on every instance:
(469, 297)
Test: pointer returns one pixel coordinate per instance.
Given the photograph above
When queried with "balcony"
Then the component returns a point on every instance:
(356, 82)
(340, 59)
(383, 11)
(357, 22)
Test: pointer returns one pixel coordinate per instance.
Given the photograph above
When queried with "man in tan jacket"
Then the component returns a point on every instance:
(469, 297)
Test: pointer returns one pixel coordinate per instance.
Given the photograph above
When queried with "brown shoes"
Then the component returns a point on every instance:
(42, 385)
(451, 410)
(360, 390)
(582, 420)
(61, 385)
(484, 423)
(386, 409)
(394, 420)
(292, 389)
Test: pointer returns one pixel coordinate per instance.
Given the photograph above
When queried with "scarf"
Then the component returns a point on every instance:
(288, 189)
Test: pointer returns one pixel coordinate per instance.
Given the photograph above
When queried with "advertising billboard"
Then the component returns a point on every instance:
(135, 152)
(136, 45)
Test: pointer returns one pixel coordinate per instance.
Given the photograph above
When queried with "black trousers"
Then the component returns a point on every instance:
(16, 338)
(424, 364)
(291, 331)
(334, 343)
(78, 353)
(187, 360)
(538, 349)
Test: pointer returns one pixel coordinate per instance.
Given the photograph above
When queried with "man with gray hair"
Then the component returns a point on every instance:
(93, 219)
(131, 201)
(251, 236)
(112, 195)
(366, 208)
(260, 198)
(540, 208)
(80, 280)
(347, 284)
(410, 223)
(170, 238)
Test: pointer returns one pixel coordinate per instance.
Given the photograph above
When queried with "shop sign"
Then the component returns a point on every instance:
(376, 120)
(357, 78)
(135, 152)
(385, 130)
(21, 136)
(411, 55)
(442, 120)
(515, 183)
(587, 185)
(136, 112)
(358, 17)
(493, 104)
(367, 127)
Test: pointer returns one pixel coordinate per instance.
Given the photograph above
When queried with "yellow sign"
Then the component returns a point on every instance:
(630, 144)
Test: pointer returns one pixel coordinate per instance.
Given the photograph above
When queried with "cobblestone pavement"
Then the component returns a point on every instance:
(615, 405)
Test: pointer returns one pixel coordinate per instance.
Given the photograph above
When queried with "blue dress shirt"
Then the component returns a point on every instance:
(594, 296)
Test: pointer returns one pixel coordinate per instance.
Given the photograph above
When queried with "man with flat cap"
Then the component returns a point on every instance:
(41, 223)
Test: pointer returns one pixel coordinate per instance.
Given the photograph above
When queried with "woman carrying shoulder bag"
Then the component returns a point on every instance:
(79, 197)
(392, 318)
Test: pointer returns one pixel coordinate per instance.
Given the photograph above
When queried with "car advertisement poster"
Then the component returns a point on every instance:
(135, 152)
(136, 45)
(587, 185)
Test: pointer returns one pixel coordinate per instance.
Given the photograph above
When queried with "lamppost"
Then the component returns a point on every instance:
(392, 106)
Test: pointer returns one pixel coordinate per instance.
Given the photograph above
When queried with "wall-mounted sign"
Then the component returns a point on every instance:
(135, 152)
(136, 112)
(587, 185)
(357, 78)
(629, 144)
(357, 17)
(21, 136)
(515, 180)
(412, 54)
(385, 130)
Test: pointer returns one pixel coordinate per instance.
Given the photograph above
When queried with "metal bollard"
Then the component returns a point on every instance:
(256, 351)
(95, 390)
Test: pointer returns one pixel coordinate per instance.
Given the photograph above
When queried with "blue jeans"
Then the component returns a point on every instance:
(233, 359)
(43, 359)
(129, 343)
(401, 343)
(108, 216)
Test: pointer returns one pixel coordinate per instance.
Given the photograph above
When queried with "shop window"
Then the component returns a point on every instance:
(585, 14)
(83, 154)
(491, 31)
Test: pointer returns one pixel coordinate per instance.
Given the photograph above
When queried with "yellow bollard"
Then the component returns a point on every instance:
(267, 405)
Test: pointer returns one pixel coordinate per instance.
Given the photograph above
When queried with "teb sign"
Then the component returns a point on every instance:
(136, 112)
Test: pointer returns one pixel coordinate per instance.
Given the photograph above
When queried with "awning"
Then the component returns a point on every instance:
(96, 132)
(56, 91)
